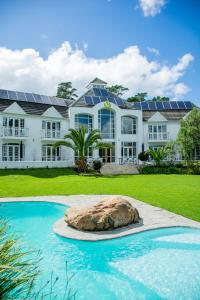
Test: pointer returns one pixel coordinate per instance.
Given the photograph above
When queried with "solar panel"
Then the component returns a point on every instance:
(119, 102)
(181, 104)
(159, 105)
(12, 95)
(37, 98)
(29, 97)
(152, 105)
(174, 105)
(96, 100)
(144, 106)
(88, 100)
(188, 105)
(166, 105)
(137, 105)
(3, 94)
(97, 92)
(59, 101)
(21, 96)
(104, 92)
(112, 99)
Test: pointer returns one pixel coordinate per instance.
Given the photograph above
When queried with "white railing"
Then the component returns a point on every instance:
(52, 134)
(14, 132)
(11, 158)
(158, 136)
(51, 158)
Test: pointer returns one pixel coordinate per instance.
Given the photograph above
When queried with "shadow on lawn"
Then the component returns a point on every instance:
(40, 173)
(53, 173)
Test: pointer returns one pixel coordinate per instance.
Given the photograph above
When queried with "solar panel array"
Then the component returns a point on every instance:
(162, 105)
(102, 95)
(31, 97)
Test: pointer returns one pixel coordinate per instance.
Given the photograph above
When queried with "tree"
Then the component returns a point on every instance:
(118, 90)
(160, 98)
(189, 134)
(138, 97)
(66, 91)
(172, 148)
(81, 142)
(158, 155)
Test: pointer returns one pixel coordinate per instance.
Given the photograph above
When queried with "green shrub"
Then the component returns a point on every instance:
(97, 165)
(194, 168)
(143, 156)
(162, 170)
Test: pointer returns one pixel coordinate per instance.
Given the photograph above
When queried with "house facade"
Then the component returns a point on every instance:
(30, 124)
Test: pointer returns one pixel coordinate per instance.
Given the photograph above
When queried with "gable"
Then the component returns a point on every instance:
(14, 108)
(52, 112)
(157, 117)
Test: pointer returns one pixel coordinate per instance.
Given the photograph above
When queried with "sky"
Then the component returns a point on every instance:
(146, 45)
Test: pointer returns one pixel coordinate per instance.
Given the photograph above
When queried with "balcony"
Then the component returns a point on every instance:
(158, 136)
(51, 158)
(52, 134)
(14, 132)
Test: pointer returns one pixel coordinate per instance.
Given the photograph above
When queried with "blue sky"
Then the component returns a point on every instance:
(102, 30)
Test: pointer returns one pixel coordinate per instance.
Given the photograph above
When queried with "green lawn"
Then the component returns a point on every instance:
(177, 193)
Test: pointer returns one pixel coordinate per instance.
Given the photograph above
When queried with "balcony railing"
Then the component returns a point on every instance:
(158, 136)
(52, 134)
(51, 158)
(14, 132)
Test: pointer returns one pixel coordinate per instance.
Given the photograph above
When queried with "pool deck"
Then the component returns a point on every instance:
(152, 217)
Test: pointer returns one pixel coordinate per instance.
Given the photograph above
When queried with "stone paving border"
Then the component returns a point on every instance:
(151, 217)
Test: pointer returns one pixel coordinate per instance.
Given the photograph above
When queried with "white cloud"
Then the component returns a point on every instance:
(26, 70)
(154, 51)
(151, 7)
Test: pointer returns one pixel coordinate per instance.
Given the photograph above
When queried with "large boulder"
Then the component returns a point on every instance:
(108, 214)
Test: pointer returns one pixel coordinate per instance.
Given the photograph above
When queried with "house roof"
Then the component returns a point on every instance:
(96, 81)
(96, 95)
(33, 98)
(33, 108)
(169, 115)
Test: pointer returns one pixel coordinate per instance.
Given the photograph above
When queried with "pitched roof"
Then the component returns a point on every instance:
(96, 95)
(96, 81)
(33, 108)
(169, 115)
(33, 98)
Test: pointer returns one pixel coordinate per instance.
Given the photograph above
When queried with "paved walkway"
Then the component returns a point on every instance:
(151, 217)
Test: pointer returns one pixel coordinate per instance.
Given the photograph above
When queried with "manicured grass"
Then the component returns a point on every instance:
(176, 193)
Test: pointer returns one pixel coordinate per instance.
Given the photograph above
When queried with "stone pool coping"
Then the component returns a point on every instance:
(152, 217)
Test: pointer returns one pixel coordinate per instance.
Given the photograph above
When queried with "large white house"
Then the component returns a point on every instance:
(32, 123)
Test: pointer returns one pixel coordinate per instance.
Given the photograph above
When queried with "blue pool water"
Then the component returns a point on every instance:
(157, 264)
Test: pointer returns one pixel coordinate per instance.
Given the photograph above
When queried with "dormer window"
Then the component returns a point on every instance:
(97, 83)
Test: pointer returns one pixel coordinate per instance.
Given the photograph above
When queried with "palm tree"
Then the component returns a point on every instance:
(66, 91)
(158, 155)
(81, 142)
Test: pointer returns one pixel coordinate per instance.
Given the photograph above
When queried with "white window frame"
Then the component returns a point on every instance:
(133, 125)
(111, 132)
(89, 123)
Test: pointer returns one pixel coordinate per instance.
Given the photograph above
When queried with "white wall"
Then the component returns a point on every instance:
(93, 111)
(33, 143)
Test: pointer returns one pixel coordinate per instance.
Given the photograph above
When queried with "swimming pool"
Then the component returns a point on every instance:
(156, 264)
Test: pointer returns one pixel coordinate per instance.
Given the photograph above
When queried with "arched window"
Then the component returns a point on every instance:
(84, 120)
(106, 120)
(128, 125)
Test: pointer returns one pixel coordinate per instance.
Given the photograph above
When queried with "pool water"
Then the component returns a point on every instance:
(156, 264)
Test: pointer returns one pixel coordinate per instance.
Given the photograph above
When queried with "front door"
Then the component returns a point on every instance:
(13, 152)
(106, 155)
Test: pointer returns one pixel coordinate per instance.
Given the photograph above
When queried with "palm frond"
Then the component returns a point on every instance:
(64, 143)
